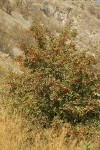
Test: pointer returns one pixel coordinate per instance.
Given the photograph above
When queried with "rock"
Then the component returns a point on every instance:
(16, 52)
(54, 14)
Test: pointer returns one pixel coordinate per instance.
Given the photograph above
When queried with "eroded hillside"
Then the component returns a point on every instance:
(17, 16)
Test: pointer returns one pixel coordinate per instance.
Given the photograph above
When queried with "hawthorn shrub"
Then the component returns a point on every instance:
(58, 82)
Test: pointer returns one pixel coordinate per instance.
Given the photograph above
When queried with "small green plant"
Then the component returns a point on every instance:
(58, 81)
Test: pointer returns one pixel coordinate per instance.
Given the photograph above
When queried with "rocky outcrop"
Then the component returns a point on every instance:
(54, 14)
(85, 17)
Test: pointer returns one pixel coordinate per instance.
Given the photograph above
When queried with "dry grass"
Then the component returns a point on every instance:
(5, 42)
(17, 134)
(6, 6)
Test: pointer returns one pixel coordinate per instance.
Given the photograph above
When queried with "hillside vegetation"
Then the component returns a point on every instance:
(55, 92)
(50, 75)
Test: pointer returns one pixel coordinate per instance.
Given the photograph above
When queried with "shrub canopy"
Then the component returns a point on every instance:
(59, 80)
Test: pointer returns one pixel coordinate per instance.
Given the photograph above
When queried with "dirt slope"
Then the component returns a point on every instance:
(55, 14)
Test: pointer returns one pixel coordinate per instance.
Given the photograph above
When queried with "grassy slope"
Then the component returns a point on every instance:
(13, 136)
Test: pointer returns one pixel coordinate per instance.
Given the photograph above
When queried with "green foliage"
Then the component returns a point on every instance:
(58, 81)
